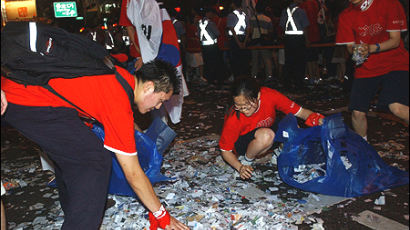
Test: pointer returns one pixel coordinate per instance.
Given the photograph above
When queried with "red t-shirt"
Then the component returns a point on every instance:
(270, 101)
(192, 36)
(311, 8)
(125, 21)
(373, 26)
(102, 97)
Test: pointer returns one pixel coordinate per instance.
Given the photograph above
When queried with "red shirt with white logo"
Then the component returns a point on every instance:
(373, 26)
(270, 101)
(102, 97)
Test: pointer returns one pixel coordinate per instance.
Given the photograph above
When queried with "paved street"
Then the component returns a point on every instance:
(31, 204)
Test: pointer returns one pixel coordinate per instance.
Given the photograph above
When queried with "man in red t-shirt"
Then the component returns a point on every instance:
(311, 8)
(83, 162)
(195, 62)
(375, 26)
(249, 127)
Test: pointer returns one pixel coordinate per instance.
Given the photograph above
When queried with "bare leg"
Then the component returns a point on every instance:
(263, 142)
(359, 122)
(400, 110)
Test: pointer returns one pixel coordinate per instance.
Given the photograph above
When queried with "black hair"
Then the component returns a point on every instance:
(247, 87)
(162, 73)
(237, 3)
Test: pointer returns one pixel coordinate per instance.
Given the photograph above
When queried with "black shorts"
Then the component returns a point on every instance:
(394, 89)
(241, 145)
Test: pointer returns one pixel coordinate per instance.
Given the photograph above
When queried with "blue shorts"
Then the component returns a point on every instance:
(393, 86)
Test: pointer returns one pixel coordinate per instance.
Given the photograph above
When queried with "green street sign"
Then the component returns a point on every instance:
(65, 9)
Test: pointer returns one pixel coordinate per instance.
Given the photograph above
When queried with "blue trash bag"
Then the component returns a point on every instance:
(332, 159)
(149, 157)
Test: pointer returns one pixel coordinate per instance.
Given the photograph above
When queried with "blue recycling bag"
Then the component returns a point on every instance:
(150, 157)
(332, 159)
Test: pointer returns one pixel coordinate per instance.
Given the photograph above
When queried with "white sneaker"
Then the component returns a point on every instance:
(244, 161)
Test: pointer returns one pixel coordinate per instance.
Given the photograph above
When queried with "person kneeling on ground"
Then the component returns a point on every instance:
(249, 126)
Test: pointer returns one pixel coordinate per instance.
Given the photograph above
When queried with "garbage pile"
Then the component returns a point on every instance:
(206, 195)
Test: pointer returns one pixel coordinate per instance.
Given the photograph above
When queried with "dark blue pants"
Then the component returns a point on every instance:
(83, 165)
(295, 59)
(239, 58)
(213, 64)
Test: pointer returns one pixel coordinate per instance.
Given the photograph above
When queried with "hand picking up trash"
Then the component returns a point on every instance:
(249, 126)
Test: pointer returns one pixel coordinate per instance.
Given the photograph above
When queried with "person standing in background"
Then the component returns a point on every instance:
(311, 8)
(371, 31)
(294, 22)
(238, 29)
(262, 30)
(208, 37)
(134, 50)
(195, 62)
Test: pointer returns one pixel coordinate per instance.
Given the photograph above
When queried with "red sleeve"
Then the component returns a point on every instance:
(345, 33)
(119, 130)
(396, 17)
(284, 104)
(124, 21)
(230, 133)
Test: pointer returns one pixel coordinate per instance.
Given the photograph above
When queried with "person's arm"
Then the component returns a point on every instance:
(139, 181)
(392, 43)
(131, 31)
(311, 118)
(3, 102)
(141, 185)
(245, 171)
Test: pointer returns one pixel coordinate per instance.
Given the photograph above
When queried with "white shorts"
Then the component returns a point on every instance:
(194, 59)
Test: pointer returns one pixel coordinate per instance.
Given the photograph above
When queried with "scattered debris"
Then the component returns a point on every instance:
(376, 221)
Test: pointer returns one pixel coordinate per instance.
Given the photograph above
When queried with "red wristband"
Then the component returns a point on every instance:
(153, 221)
(164, 221)
(313, 119)
(162, 216)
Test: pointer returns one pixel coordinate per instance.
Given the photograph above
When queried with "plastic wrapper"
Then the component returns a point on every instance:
(158, 136)
(348, 165)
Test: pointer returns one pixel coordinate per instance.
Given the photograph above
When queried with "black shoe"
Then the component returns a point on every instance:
(109, 203)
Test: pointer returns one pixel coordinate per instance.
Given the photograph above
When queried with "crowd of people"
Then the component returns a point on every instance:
(216, 49)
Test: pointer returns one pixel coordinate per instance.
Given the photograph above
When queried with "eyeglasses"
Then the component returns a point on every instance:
(244, 107)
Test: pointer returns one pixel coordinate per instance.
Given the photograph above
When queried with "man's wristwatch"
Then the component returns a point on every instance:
(377, 47)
